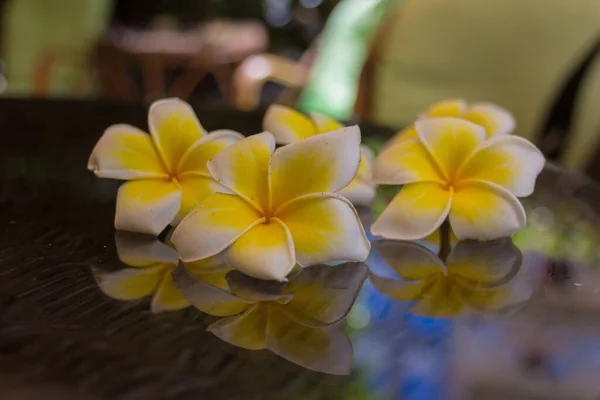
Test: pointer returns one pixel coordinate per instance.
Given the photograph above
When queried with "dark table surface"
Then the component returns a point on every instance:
(61, 337)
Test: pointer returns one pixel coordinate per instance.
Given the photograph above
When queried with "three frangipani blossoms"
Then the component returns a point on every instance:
(267, 211)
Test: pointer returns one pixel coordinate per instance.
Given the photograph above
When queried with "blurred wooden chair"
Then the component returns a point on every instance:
(215, 49)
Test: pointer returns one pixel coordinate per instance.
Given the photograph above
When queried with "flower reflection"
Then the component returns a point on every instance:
(477, 277)
(153, 263)
(299, 320)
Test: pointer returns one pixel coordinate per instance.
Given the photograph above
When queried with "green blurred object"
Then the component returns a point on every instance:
(333, 84)
(58, 31)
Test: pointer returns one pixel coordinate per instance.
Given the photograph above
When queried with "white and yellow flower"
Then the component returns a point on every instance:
(494, 119)
(166, 170)
(477, 277)
(289, 126)
(153, 262)
(450, 171)
(283, 209)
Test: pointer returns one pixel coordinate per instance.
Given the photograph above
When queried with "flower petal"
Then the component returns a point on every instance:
(194, 190)
(248, 330)
(496, 120)
(405, 162)
(125, 152)
(411, 261)
(257, 290)
(147, 206)
(168, 297)
(195, 159)
(326, 349)
(509, 161)
(446, 108)
(416, 212)
(325, 227)
(130, 283)
(205, 297)
(266, 251)
(244, 168)
(140, 250)
(450, 141)
(174, 128)
(287, 125)
(401, 290)
(404, 134)
(483, 210)
(322, 163)
(214, 225)
(359, 193)
(325, 293)
(324, 123)
(484, 263)
(441, 299)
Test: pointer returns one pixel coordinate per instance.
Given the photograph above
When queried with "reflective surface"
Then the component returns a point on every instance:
(492, 320)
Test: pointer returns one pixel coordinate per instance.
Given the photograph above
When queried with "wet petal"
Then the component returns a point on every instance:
(326, 350)
(125, 152)
(325, 227)
(411, 261)
(322, 163)
(266, 251)
(214, 225)
(416, 212)
(130, 283)
(399, 289)
(287, 125)
(484, 263)
(509, 161)
(324, 123)
(147, 206)
(248, 330)
(324, 293)
(406, 162)
(441, 299)
(195, 159)
(496, 120)
(244, 168)
(446, 108)
(140, 250)
(174, 128)
(485, 211)
(168, 297)
(450, 141)
(194, 190)
(206, 297)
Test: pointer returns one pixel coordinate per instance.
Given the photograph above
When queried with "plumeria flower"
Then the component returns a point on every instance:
(283, 211)
(289, 126)
(299, 320)
(166, 170)
(450, 171)
(153, 264)
(494, 119)
(478, 277)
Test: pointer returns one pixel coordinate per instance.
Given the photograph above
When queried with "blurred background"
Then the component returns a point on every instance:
(381, 61)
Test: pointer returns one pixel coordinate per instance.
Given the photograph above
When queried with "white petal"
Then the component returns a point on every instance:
(287, 125)
(496, 120)
(140, 250)
(266, 251)
(214, 225)
(509, 161)
(125, 152)
(325, 227)
(484, 211)
(416, 212)
(174, 128)
(322, 163)
(147, 206)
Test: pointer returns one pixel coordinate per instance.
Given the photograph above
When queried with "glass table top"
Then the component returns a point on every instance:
(502, 319)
